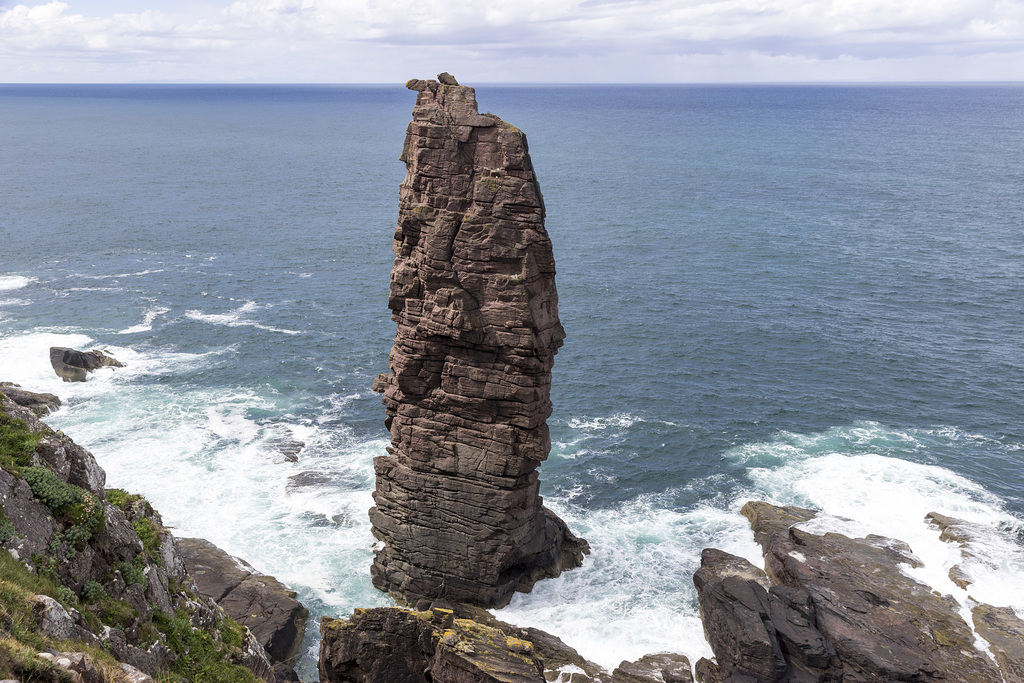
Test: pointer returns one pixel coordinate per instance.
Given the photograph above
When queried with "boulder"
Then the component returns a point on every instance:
(473, 294)
(260, 602)
(73, 366)
(405, 646)
(765, 632)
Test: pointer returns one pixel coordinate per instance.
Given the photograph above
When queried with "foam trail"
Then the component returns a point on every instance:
(11, 282)
(147, 322)
(236, 318)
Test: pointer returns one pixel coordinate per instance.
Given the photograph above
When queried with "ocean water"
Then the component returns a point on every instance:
(811, 295)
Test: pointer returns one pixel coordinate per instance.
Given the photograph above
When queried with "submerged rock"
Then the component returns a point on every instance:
(73, 366)
(473, 293)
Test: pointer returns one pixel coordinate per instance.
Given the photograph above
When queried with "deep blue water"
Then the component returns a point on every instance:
(811, 294)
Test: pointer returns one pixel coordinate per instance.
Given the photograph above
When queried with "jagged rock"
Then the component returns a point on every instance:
(101, 558)
(260, 602)
(561, 662)
(657, 668)
(882, 624)
(962, 533)
(706, 671)
(38, 404)
(403, 646)
(1004, 631)
(73, 366)
(473, 294)
(755, 630)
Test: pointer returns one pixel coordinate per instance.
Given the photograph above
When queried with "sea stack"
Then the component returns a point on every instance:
(467, 396)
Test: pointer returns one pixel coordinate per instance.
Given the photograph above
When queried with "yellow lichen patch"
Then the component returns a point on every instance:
(518, 645)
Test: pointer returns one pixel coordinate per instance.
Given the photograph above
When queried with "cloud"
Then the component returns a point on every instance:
(368, 40)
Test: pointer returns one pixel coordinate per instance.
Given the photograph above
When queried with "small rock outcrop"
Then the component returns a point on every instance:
(260, 602)
(74, 366)
(467, 397)
(403, 646)
(829, 608)
(38, 404)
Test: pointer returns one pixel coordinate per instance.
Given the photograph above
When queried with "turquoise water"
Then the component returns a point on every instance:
(808, 294)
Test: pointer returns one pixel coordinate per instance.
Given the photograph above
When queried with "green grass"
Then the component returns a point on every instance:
(17, 443)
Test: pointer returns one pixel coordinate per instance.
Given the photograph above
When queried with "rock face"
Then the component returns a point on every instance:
(73, 366)
(120, 583)
(829, 608)
(256, 600)
(473, 294)
(400, 646)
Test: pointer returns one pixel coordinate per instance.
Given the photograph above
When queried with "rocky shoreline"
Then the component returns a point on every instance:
(96, 590)
(116, 590)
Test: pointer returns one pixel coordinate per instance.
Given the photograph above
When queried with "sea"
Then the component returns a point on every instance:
(806, 294)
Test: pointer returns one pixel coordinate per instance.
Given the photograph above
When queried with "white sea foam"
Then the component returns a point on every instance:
(147, 321)
(9, 282)
(237, 318)
(634, 594)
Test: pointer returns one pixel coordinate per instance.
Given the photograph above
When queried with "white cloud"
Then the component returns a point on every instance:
(518, 40)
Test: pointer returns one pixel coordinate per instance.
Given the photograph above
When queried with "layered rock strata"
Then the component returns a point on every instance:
(473, 293)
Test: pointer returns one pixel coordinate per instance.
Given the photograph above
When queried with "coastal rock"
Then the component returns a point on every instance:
(404, 646)
(38, 404)
(881, 624)
(656, 668)
(467, 397)
(106, 552)
(1004, 631)
(73, 366)
(260, 602)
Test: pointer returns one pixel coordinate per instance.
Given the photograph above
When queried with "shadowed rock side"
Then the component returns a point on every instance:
(473, 294)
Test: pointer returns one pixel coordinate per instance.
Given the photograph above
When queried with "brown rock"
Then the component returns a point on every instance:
(402, 646)
(473, 294)
(260, 602)
(38, 404)
(882, 624)
(658, 668)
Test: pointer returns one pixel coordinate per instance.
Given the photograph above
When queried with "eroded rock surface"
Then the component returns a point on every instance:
(403, 646)
(880, 624)
(255, 600)
(473, 293)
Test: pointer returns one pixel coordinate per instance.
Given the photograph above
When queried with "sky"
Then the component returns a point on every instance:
(511, 41)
